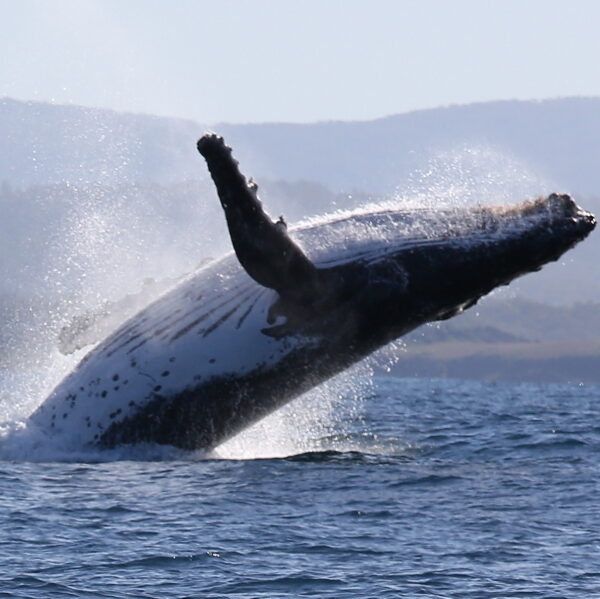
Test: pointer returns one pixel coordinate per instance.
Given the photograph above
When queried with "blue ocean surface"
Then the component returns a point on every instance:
(412, 488)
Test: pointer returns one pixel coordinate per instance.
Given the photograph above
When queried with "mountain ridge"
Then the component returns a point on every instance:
(558, 139)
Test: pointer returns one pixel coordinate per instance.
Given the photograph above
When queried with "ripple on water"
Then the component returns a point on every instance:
(406, 500)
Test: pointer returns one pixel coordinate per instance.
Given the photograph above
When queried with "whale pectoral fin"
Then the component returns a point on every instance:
(262, 246)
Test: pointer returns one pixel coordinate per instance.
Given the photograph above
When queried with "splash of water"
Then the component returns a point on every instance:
(325, 418)
(473, 174)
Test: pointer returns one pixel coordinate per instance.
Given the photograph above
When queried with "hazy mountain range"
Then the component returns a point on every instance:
(515, 340)
(555, 141)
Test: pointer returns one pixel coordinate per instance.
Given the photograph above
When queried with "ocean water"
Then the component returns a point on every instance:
(400, 488)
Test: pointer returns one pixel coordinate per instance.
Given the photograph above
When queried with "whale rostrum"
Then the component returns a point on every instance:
(249, 332)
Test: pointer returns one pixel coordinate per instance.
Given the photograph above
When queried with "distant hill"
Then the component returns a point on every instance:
(517, 320)
(45, 144)
(575, 362)
(507, 340)
(557, 140)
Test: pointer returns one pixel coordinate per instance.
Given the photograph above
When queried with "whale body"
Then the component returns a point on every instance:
(249, 332)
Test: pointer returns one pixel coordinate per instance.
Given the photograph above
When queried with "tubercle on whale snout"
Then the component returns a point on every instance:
(587, 218)
(563, 207)
(565, 213)
(557, 211)
(554, 205)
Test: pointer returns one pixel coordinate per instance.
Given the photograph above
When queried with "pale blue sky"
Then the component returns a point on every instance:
(296, 60)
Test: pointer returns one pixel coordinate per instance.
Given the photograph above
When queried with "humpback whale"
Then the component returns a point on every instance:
(286, 310)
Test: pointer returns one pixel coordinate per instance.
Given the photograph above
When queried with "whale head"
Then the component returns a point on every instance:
(431, 265)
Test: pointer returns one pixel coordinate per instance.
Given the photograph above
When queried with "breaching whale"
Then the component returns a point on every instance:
(249, 332)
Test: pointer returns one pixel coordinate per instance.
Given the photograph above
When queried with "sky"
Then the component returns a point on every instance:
(296, 60)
